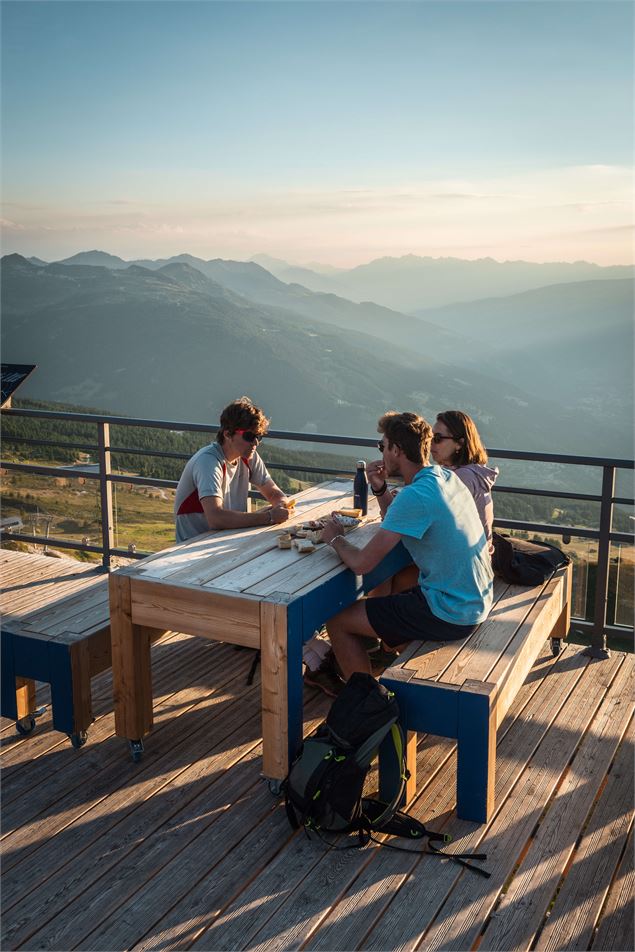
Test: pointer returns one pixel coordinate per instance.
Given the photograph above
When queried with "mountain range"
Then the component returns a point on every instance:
(541, 369)
(411, 283)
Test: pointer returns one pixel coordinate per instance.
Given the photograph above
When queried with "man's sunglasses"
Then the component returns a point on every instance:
(249, 436)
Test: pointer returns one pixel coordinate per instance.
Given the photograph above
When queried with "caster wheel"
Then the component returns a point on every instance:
(136, 750)
(25, 726)
(78, 740)
(275, 787)
(556, 646)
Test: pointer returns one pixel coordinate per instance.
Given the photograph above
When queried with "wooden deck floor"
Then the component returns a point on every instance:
(188, 849)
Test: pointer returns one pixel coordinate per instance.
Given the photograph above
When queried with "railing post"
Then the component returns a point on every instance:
(105, 491)
(598, 647)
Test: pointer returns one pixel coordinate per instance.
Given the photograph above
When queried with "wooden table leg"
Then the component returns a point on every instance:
(131, 670)
(274, 659)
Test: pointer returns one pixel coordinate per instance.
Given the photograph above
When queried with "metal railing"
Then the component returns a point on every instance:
(604, 534)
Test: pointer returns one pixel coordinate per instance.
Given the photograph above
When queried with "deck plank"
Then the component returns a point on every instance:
(577, 906)
(527, 773)
(520, 914)
(617, 926)
(187, 848)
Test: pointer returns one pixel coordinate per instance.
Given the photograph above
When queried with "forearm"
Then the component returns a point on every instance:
(232, 519)
(358, 560)
(272, 493)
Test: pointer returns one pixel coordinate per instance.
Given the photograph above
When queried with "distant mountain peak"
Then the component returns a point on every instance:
(95, 258)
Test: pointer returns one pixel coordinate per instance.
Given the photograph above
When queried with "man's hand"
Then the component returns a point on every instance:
(332, 528)
(376, 472)
(279, 513)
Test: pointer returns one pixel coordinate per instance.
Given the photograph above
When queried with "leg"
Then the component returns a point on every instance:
(82, 700)
(561, 627)
(405, 578)
(345, 630)
(131, 673)
(281, 721)
(24, 697)
(476, 751)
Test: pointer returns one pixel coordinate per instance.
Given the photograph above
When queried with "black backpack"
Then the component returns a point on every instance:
(324, 787)
(525, 563)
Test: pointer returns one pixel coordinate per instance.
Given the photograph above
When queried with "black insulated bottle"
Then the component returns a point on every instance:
(360, 488)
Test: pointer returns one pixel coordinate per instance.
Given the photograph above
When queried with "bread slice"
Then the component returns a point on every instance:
(349, 513)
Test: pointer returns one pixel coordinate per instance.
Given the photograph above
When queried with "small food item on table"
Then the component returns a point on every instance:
(285, 540)
(289, 504)
(349, 513)
(304, 545)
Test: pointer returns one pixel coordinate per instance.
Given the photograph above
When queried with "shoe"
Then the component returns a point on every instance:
(371, 645)
(383, 658)
(326, 678)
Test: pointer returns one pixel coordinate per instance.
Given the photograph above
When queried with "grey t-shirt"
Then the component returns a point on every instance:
(208, 473)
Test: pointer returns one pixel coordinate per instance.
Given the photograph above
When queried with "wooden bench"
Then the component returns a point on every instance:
(463, 689)
(56, 629)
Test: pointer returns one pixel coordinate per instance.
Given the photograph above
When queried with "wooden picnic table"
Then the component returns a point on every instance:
(237, 586)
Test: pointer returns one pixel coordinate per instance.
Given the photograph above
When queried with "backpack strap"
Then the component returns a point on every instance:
(398, 748)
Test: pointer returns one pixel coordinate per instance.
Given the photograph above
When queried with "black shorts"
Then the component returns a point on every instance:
(406, 616)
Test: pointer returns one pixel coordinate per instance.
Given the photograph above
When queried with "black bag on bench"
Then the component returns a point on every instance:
(525, 563)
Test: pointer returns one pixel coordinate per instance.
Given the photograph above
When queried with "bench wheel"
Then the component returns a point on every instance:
(136, 750)
(556, 646)
(25, 725)
(78, 740)
(275, 787)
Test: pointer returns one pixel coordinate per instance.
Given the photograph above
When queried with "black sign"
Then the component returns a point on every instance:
(12, 376)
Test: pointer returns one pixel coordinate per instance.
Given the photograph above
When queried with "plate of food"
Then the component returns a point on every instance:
(349, 518)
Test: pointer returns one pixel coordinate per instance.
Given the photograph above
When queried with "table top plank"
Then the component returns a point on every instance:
(261, 560)
(200, 559)
(307, 571)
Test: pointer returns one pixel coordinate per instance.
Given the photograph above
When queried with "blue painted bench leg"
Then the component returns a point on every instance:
(7, 677)
(476, 767)
(61, 680)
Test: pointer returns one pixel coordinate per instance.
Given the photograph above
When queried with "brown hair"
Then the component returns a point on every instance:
(463, 430)
(242, 414)
(410, 432)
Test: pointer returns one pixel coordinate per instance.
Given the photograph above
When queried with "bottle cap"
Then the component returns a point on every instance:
(361, 464)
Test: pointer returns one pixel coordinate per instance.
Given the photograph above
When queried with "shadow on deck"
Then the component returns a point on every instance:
(188, 849)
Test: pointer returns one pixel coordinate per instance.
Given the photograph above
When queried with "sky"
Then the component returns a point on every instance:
(331, 132)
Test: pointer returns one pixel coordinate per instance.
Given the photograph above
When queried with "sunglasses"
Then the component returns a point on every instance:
(249, 436)
(439, 438)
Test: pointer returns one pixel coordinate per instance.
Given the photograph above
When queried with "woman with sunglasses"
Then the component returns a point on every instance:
(456, 444)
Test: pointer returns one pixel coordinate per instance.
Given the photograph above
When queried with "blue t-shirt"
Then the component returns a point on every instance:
(440, 526)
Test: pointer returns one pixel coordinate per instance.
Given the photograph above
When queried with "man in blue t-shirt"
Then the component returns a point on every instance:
(435, 517)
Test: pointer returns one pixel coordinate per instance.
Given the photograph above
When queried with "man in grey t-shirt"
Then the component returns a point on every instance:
(213, 490)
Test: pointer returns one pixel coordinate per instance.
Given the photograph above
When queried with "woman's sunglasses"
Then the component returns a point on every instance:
(439, 438)
(249, 436)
